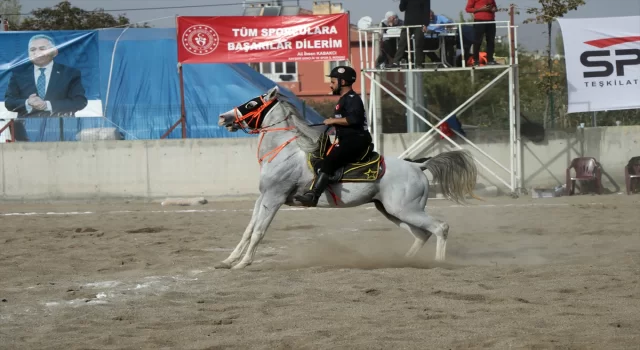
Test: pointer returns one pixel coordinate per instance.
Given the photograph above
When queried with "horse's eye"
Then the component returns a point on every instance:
(251, 105)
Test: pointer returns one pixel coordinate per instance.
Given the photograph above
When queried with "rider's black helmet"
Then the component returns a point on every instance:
(346, 73)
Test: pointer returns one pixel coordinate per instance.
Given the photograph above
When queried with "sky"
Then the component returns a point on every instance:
(531, 36)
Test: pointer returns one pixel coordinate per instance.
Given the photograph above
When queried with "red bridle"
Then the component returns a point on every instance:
(254, 118)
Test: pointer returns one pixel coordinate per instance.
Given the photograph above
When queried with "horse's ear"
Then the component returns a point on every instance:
(272, 93)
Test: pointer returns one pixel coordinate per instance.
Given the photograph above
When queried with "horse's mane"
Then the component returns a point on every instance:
(307, 136)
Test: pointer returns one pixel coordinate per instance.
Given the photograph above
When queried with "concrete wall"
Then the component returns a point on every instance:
(228, 167)
(149, 169)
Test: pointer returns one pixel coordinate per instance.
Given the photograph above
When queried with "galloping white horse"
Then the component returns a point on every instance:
(400, 194)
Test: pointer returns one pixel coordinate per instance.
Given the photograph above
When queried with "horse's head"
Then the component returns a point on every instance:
(250, 114)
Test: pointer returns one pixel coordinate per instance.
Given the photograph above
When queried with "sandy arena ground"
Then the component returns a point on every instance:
(520, 274)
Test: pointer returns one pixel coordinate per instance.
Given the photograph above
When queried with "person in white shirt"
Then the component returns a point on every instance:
(389, 45)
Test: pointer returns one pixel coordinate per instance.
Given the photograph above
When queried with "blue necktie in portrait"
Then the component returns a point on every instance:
(42, 83)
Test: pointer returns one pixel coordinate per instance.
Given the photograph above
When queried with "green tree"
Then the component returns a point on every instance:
(548, 11)
(63, 16)
(10, 10)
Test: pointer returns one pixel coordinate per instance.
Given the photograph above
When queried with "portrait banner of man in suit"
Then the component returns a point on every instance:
(48, 75)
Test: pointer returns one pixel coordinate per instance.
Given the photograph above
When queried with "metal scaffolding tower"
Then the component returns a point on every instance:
(415, 106)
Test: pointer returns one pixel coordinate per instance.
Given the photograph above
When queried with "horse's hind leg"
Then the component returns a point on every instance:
(419, 218)
(268, 209)
(244, 241)
(421, 236)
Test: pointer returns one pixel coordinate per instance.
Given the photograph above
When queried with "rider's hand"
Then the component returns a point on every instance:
(328, 121)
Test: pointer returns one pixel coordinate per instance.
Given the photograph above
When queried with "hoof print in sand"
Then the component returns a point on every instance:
(460, 296)
(146, 230)
(524, 301)
(224, 321)
(566, 291)
(86, 229)
(372, 291)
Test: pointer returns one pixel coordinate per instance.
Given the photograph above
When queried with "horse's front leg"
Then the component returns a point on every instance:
(271, 202)
(244, 241)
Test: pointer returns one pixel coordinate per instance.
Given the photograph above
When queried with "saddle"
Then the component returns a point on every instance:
(369, 168)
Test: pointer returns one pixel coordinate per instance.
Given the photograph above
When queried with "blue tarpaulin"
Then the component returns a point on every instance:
(140, 90)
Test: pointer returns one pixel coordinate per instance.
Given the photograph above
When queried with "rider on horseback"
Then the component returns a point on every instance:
(352, 135)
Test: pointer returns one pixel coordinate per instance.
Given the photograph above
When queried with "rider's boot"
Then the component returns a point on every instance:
(310, 198)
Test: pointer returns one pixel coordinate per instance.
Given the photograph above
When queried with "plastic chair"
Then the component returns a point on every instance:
(631, 172)
(586, 169)
(436, 50)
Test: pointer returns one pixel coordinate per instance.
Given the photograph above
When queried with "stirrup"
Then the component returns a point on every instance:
(308, 199)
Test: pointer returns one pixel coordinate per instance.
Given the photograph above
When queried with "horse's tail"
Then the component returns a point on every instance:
(419, 160)
(455, 171)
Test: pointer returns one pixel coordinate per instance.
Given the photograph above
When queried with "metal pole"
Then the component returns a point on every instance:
(409, 47)
(183, 109)
(519, 163)
(512, 22)
(378, 113)
(418, 99)
(411, 120)
(512, 124)
(512, 116)
(376, 104)
(364, 57)
(367, 65)
(348, 33)
(464, 63)
(363, 84)
(373, 125)
(371, 103)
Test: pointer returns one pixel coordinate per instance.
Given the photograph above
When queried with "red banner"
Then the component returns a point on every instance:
(244, 39)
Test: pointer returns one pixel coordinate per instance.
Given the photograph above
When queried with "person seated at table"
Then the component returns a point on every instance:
(438, 19)
(389, 45)
(432, 41)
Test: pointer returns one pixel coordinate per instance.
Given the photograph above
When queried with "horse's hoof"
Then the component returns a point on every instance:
(222, 266)
(240, 266)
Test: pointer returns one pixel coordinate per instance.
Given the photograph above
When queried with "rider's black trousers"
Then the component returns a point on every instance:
(350, 149)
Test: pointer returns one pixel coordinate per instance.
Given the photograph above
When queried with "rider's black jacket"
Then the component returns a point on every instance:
(350, 106)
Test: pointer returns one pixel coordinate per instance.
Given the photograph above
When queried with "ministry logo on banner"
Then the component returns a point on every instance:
(603, 63)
